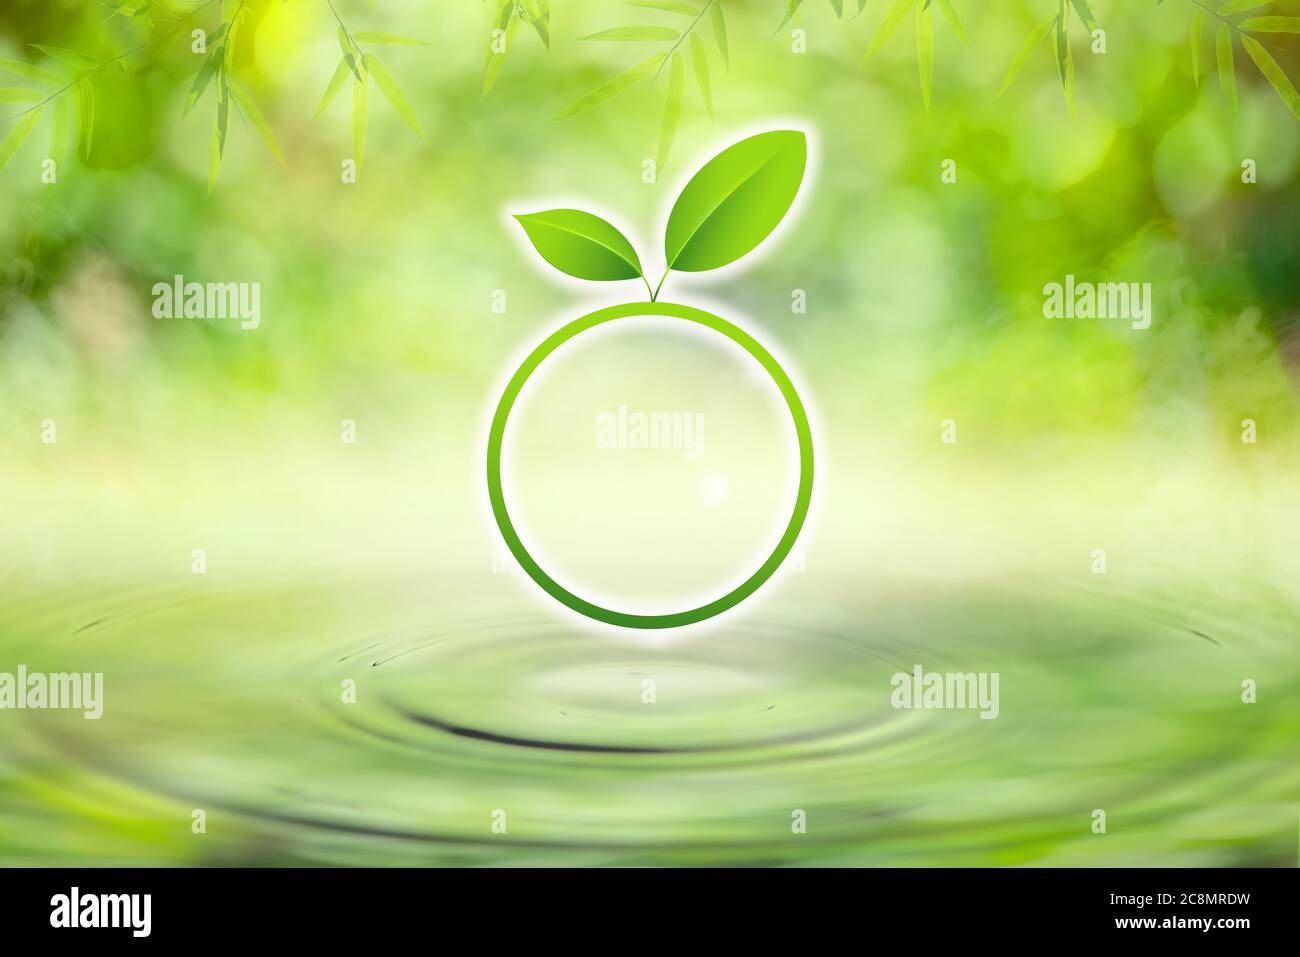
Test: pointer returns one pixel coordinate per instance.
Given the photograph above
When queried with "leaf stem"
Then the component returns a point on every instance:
(647, 287)
(654, 296)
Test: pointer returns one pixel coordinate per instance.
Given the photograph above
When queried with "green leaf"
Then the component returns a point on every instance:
(892, 19)
(950, 14)
(495, 61)
(581, 244)
(1241, 6)
(249, 108)
(720, 32)
(390, 39)
(360, 114)
(925, 52)
(29, 72)
(1273, 73)
(701, 62)
(1064, 56)
(336, 83)
(1271, 24)
(735, 201)
(838, 7)
(1198, 25)
(1036, 36)
(85, 115)
(18, 136)
(70, 57)
(1227, 71)
(791, 8)
(672, 111)
(685, 9)
(20, 94)
(1085, 14)
(202, 79)
(538, 15)
(348, 56)
(634, 34)
(619, 84)
(393, 93)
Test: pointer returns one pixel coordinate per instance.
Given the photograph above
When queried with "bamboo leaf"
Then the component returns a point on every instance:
(538, 15)
(248, 107)
(1271, 24)
(950, 14)
(1064, 56)
(18, 136)
(672, 111)
(215, 151)
(1227, 71)
(360, 115)
(86, 116)
(70, 57)
(891, 22)
(838, 6)
(702, 73)
(925, 51)
(393, 93)
(634, 34)
(348, 56)
(1085, 14)
(390, 39)
(202, 79)
(1027, 48)
(720, 32)
(1273, 73)
(1198, 26)
(791, 8)
(29, 72)
(617, 85)
(495, 61)
(336, 83)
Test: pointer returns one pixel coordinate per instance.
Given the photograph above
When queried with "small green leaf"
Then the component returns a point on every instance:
(1027, 48)
(1227, 70)
(791, 8)
(360, 115)
(925, 52)
(390, 39)
(348, 56)
(701, 62)
(1064, 56)
(735, 201)
(581, 244)
(634, 34)
(720, 32)
(1273, 73)
(1198, 25)
(70, 57)
(495, 61)
(249, 108)
(538, 15)
(20, 94)
(393, 93)
(618, 84)
(18, 136)
(214, 155)
(950, 14)
(672, 111)
(685, 9)
(29, 72)
(202, 79)
(893, 18)
(336, 83)
(1271, 24)
(1241, 6)
(838, 7)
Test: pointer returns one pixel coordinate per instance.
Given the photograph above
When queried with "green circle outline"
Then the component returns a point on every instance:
(670, 311)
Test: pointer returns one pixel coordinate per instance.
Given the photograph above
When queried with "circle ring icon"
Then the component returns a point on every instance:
(803, 497)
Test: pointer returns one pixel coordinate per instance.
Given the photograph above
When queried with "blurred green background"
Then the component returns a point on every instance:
(376, 562)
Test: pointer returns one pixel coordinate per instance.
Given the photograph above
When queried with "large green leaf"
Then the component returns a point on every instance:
(581, 244)
(735, 200)
(18, 136)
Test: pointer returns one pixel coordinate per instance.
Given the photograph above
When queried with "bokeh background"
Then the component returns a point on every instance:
(375, 562)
